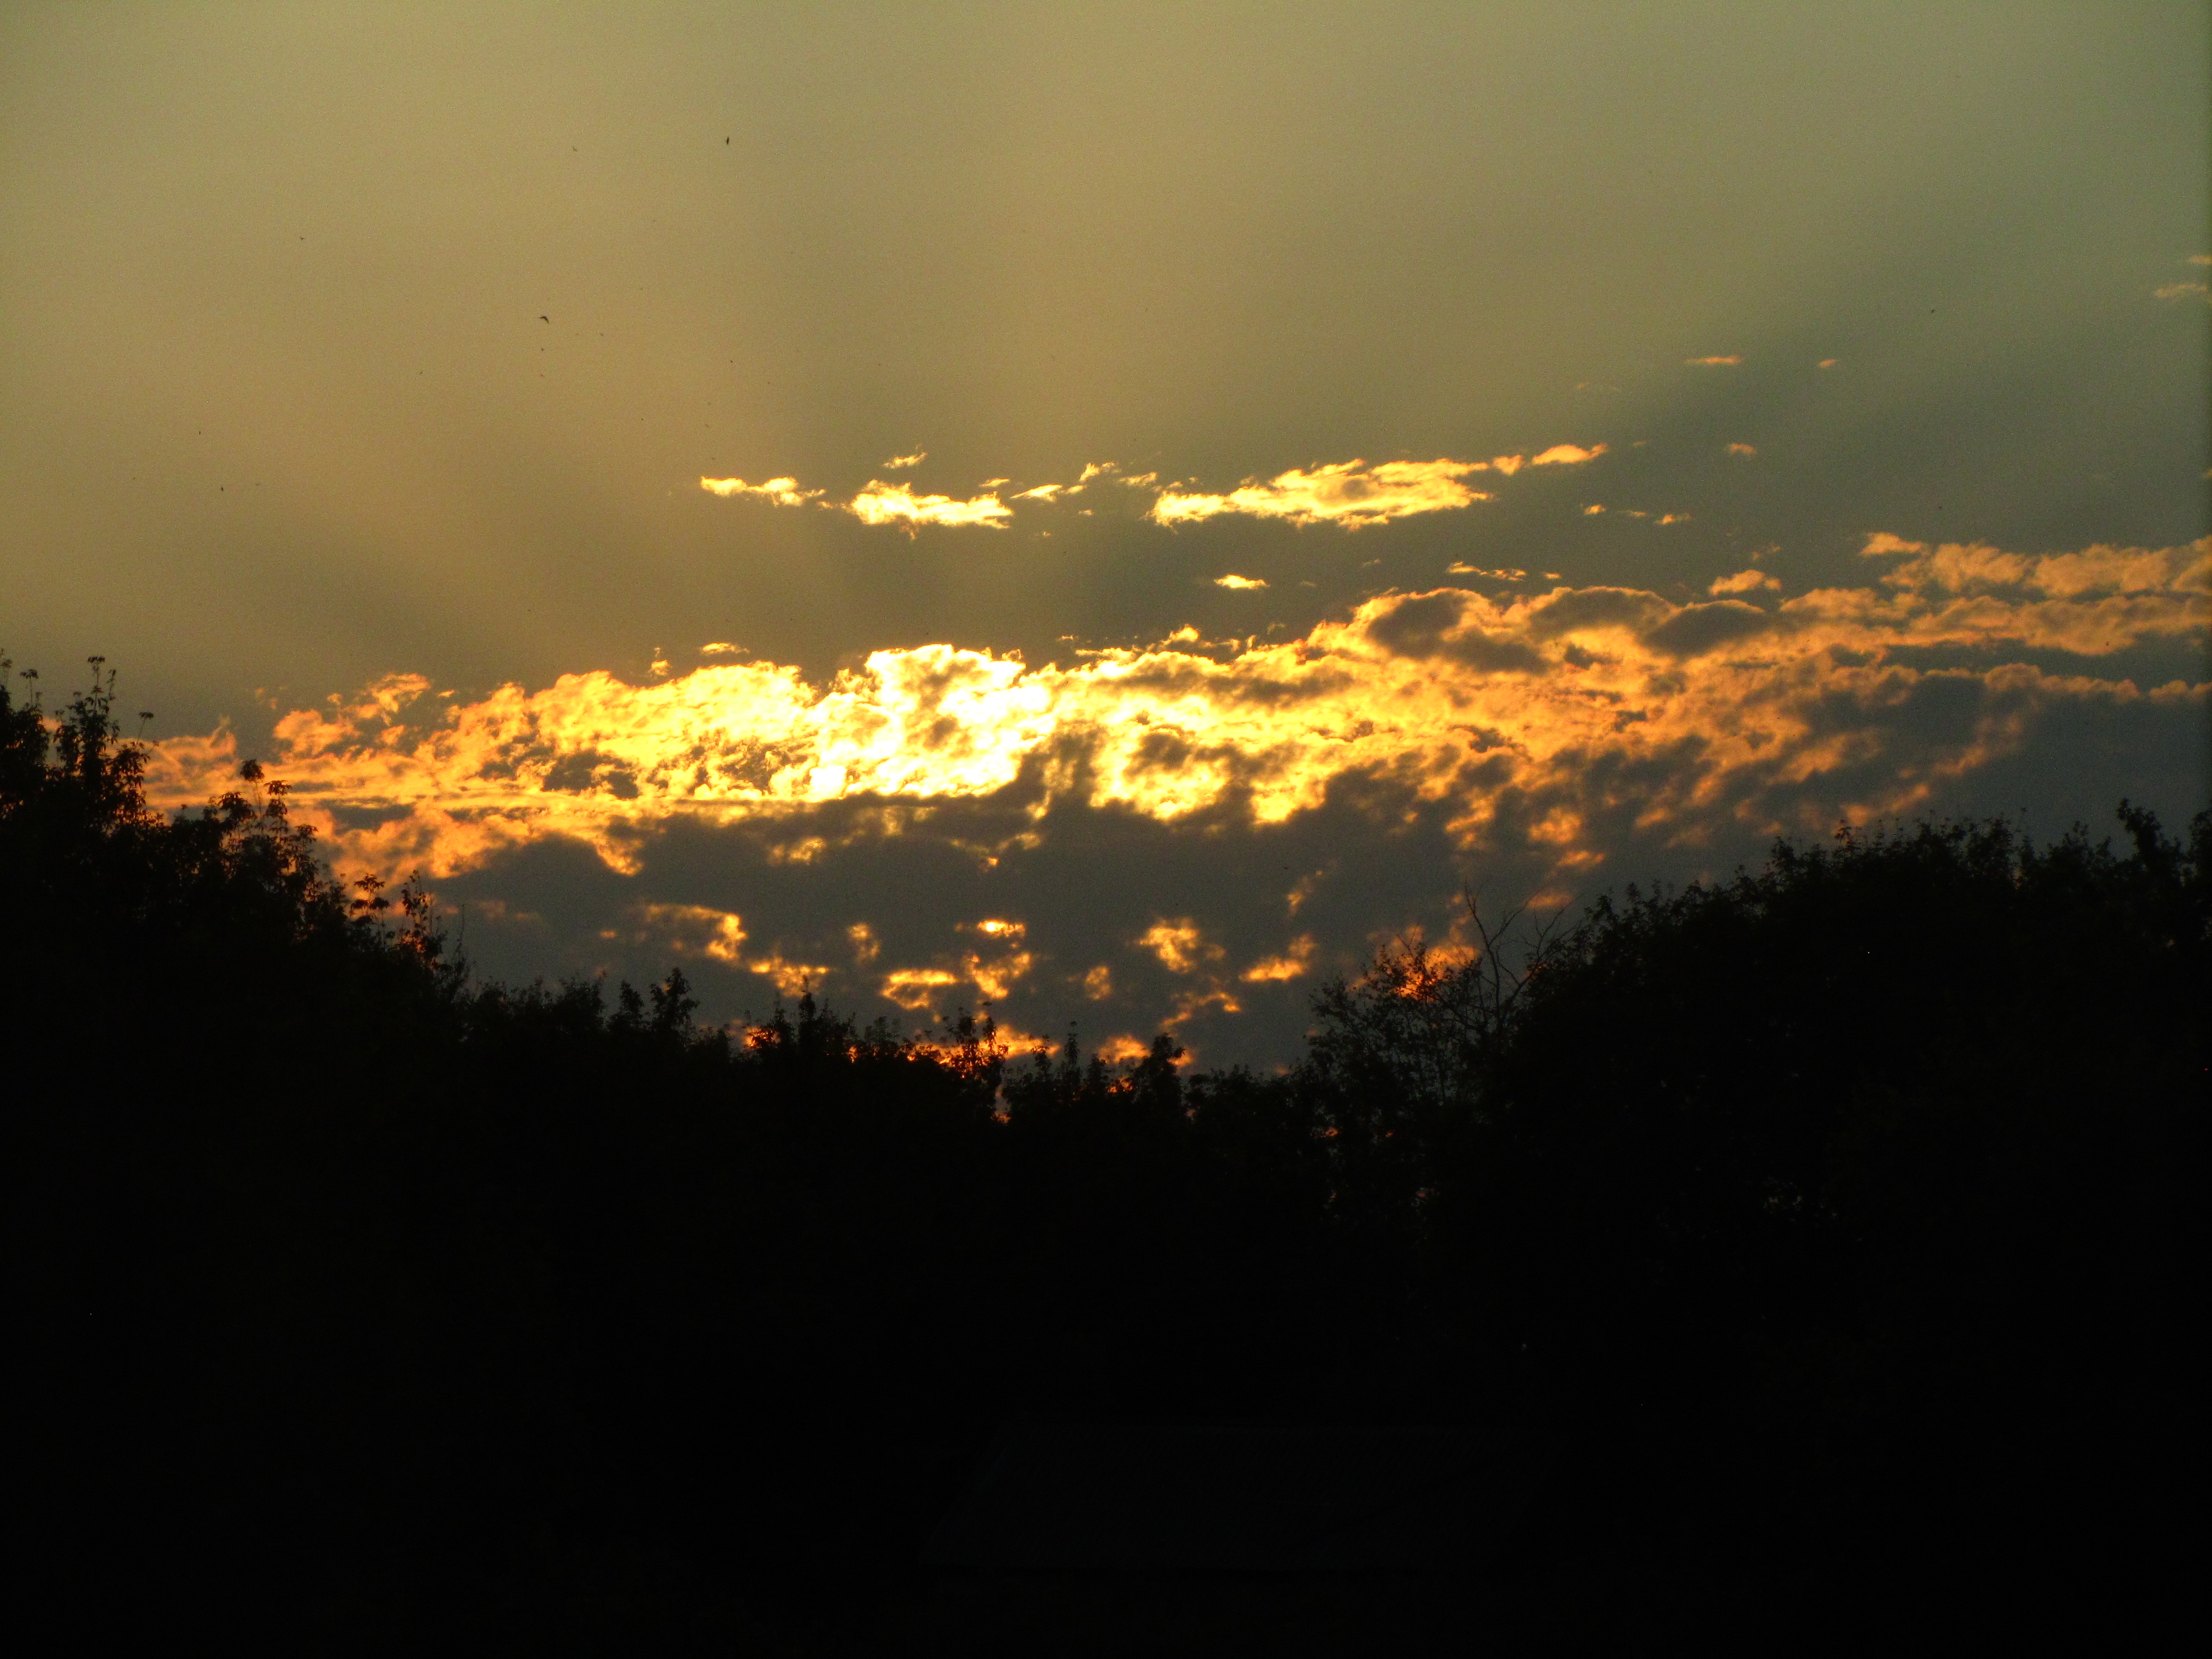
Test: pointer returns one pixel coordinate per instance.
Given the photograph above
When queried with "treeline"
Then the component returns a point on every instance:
(1828, 1234)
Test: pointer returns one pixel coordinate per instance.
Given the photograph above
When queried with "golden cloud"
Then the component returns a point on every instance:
(897, 504)
(1713, 363)
(1469, 702)
(784, 492)
(1241, 584)
(1349, 493)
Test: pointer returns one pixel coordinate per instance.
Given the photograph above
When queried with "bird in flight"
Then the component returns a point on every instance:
(543, 318)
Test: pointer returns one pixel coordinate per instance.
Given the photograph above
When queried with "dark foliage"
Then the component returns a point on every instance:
(1831, 1227)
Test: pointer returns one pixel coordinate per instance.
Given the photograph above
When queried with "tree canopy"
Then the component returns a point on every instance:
(1834, 1219)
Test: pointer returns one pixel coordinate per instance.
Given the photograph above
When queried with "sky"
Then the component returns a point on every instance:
(1109, 514)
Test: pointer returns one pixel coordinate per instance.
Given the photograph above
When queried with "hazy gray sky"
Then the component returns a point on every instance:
(338, 342)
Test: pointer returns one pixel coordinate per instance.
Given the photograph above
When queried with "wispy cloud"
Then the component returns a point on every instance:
(1742, 449)
(1566, 455)
(784, 492)
(1351, 493)
(1241, 584)
(2180, 290)
(897, 504)
(900, 463)
(1713, 363)
(1557, 455)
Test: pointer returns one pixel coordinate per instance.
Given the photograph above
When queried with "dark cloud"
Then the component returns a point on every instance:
(1696, 628)
(1434, 625)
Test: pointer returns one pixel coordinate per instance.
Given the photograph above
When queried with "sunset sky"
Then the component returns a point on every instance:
(1108, 512)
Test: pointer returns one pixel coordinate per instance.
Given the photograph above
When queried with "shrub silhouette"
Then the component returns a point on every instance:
(364, 1298)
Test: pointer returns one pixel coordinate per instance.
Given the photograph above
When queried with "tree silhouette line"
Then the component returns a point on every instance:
(1832, 1231)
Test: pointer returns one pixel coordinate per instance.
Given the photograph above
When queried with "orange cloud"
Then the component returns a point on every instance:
(717, 933)
(1241, 584)
(1565, 455)
(990, 972)
(1741, 449)
(1467, 700)
(1713, 363)
(1179, 946)
(1293, 964)
(1744, 581)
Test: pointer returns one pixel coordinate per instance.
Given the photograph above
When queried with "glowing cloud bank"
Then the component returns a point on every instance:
(1717, 707)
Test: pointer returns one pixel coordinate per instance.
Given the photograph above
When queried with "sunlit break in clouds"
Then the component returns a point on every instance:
(1468, 697)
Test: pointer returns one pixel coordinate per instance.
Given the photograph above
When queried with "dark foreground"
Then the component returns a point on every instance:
(1811, 1259)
